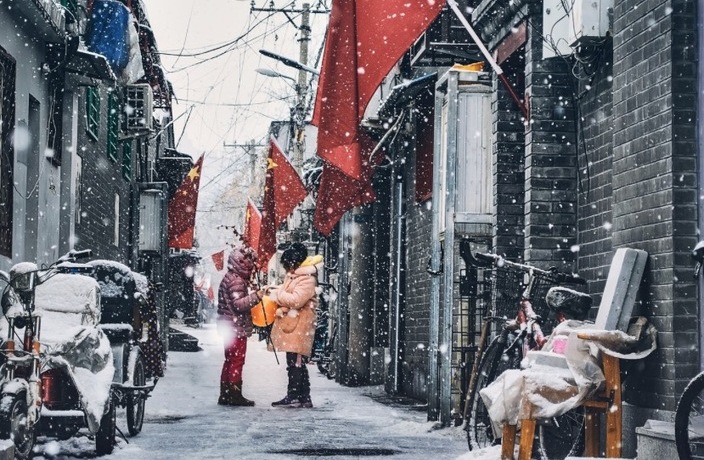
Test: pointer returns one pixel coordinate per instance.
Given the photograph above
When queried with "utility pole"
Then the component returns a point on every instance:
(298, 113)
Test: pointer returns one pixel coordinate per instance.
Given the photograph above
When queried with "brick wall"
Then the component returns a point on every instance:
(654, 173)
(595, 145)
(101, 180)
(508, 165)
(550, 160)
(416, 316)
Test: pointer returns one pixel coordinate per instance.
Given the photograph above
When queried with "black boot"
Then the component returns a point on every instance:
(224, 394)
(236, 398)
(291, 397)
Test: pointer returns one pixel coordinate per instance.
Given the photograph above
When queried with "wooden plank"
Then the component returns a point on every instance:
(614, 428)
(508, 441)
(527, 432)
(591, 432)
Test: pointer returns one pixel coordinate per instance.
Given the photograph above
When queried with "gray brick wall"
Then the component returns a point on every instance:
(101, 180)
(416, 317)
(508, 166)
(550, 160)
(654, 173)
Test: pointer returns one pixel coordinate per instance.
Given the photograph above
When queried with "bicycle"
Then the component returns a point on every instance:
(560, 436)
(325, 334)
(689, 415)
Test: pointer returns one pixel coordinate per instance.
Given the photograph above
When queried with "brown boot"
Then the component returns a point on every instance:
(236, 398)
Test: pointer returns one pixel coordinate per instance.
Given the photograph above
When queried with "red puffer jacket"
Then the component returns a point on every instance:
(234, 299)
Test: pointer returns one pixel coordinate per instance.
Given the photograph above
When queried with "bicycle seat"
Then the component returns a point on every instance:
(698, 252)
(574, 304)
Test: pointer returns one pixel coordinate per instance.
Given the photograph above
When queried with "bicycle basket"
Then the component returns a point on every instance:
(506, 290)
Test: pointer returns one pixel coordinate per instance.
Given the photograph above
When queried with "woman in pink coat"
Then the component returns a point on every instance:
(294, 326)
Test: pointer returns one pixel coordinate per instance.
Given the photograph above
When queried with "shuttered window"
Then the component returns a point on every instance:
(127, 160)
(113, 126)
(92, 112)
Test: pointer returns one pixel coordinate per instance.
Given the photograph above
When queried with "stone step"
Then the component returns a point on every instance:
(180, 341)
(656, 439)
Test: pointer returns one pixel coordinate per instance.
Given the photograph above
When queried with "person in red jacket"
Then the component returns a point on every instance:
(236, 297)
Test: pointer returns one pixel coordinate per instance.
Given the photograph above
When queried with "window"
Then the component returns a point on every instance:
(7, 152)
(113, 126)
(127, 160)
(92, 112)
(116, 241)
(72, 9)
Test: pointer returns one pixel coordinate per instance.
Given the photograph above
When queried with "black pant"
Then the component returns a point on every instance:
(298, 378)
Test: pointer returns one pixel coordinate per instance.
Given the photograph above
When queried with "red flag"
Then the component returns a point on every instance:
(182, 209)
(365, 39)
(284, 191)
(219, 260)
(252, 226)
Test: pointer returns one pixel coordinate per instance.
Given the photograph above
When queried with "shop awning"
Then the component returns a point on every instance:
(402, 94)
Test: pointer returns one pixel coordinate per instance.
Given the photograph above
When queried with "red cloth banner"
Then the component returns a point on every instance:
(365, 39)
(182, 209)
(284, 190)
(219, 260)
(252, 226)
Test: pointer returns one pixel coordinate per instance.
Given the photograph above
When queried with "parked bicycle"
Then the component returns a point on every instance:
(689, 416)
(325, 333)
(518, 334)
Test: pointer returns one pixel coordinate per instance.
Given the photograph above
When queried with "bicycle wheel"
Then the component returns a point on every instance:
(480, 431)
(689, 421)
(562, 436)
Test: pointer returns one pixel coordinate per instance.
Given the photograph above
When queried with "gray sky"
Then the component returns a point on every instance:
(224, 100)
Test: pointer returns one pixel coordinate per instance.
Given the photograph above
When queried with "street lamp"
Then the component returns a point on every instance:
(289, 62)
(275, 74)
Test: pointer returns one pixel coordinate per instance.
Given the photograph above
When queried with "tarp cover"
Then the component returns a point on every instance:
(108, 33)
(560, 378)
(69, 306)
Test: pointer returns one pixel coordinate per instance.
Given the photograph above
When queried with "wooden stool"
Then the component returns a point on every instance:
(606, 401)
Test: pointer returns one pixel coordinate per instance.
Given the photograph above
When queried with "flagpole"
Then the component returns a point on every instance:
(489, 57)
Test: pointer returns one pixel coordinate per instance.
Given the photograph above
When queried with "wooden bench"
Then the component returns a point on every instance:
(614, 313)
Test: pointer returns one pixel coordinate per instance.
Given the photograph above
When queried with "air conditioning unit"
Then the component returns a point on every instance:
(139, 108)
(567, 25)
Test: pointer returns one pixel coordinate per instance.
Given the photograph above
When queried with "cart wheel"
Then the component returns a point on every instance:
(105, 437)
(14, 424)
(136, 403)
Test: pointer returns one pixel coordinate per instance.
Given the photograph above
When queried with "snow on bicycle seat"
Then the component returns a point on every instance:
(574, 304)
(65, 302)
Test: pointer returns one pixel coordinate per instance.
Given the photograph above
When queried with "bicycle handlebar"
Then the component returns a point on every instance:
(553, 272)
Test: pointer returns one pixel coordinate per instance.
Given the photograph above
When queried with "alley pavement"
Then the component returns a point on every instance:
(183, 421)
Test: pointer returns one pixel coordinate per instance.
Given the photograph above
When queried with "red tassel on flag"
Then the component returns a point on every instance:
(182, 209)
(284, 190)
(219, 260)
(365, 39)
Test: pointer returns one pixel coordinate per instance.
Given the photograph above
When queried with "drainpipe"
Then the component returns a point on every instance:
(361, 296)
(700, 163)
(435, 268)
(396, 284)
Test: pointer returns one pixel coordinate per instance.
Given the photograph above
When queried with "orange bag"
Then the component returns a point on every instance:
(264, 312)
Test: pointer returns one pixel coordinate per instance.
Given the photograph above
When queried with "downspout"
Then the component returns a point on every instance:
(446, 309)
(435, 267)
(396, 285)
(700, 152)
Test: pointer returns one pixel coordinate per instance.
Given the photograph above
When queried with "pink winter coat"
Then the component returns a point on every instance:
(234, 299)
(294, 326)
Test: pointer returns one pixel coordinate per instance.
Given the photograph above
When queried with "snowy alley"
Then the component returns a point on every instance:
(183, 420)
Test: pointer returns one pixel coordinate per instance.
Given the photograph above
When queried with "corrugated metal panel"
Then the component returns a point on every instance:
(474, 191)
(150, 211)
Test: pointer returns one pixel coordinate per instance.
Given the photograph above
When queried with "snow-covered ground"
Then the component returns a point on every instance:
(183, 420)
